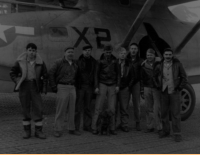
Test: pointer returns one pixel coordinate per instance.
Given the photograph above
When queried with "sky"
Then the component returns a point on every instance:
(193, 7)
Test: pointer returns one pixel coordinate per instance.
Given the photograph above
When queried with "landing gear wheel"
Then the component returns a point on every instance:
(188, 100)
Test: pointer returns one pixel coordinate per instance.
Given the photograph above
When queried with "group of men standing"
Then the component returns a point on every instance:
(110, 79)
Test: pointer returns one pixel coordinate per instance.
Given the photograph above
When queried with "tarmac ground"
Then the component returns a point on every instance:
(133, 142)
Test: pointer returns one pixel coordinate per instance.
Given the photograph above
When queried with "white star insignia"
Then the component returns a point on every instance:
(2, 34)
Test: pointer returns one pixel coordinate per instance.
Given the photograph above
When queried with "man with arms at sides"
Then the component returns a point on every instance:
(85, 88)
(151, 94)
(136, 61)
(126, 70)
(30, 75)
(62, 78)
(170, 78)
(107, 81)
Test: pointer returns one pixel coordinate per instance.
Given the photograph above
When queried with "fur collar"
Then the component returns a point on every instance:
(23, 57)
(157, 60)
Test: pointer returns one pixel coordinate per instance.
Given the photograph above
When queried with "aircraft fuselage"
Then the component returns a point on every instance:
(53, 31)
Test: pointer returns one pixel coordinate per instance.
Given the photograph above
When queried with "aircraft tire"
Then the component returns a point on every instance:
(188, 101)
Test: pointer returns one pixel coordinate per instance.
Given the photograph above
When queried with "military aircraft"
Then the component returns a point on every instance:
(55, 24)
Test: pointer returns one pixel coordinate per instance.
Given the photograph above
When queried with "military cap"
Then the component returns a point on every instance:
(87, 47)
(150, 50)
(69, 48)
(108, 47)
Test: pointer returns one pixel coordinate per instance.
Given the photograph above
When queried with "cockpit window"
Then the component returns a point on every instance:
(7, 8)
(125, 2)
(58, 34)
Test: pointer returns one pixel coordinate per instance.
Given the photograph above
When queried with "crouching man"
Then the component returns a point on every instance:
(170, 77)
(30, 76)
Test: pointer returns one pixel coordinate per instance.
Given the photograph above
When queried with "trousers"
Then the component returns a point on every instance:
(153, 110)
(84, 104)
(171, 103)
(31, 102)
(124, 98)
(135, 92)
(65, 102)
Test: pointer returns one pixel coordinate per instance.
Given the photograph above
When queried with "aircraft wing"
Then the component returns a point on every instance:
(176, 2)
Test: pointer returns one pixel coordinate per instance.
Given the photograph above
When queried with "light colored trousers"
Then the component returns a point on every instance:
(66, 99)
(108, 91)
(153, 108)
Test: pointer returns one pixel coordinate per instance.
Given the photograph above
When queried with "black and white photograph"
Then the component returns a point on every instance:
(99, 76)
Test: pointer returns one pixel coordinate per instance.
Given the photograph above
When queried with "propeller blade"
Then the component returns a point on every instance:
(187, 38)
(138, 21)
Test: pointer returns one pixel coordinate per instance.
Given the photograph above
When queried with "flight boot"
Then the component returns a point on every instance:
(39, 133)
(27, 131)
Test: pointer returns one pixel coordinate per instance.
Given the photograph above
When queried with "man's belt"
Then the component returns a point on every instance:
(67, 83)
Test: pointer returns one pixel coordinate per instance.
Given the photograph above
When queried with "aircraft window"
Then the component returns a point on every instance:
(14, 8)
(63, 3)
(5, 8)
(125, 2)
(26, 8)
(28, 1)
(58, 33)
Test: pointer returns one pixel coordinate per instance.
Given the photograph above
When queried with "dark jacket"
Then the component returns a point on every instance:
(146, 74)
(179, 74)
(83, 76)
(107, 72)
(103, 56)
(57, 71)
(19, 70)
(128, 76)
(136, 67)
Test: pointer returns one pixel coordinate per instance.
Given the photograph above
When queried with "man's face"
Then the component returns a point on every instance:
(31, 53)
(69, 54)
(87, 52)
(122, 55)
(133, 50)
(108, 53)
(150, 56)
(168, 56)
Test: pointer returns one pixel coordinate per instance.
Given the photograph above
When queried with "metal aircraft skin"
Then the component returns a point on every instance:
(97, 22)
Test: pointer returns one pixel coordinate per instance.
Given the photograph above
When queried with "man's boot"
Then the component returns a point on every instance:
(138, 126)
(39, 133)
(27, 131)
